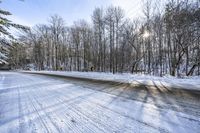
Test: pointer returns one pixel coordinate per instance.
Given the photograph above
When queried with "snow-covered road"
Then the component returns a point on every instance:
(36, 103)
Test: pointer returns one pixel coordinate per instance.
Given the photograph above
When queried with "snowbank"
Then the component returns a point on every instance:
(192, 83)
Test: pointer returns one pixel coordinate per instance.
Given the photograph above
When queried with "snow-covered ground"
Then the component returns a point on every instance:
(36, 103)
(167, 81)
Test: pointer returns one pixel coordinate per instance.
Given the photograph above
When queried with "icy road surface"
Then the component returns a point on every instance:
(36, 103)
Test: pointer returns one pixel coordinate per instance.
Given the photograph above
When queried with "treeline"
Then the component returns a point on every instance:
(166, 41)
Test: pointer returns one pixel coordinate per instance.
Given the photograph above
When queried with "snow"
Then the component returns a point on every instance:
(3, 55)
(2, 58)
(192, 83)
(36, 103)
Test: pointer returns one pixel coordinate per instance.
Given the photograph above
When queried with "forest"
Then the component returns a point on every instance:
(166, 41)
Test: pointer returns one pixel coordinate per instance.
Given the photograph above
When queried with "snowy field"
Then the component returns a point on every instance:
(42, 104)
(167, 81)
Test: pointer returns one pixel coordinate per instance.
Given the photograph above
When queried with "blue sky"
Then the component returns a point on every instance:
(31, 12)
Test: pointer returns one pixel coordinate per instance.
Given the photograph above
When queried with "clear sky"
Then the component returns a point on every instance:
(31, 12)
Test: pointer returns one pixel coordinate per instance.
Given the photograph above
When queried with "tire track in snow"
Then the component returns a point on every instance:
(131, 117)
(47, 114)
(79, 109)
(182, 102)
(95, 119)
(39, 115)
(20, 113)
(71, 116)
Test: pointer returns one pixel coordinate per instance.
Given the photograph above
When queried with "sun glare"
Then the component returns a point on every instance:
(146, 34)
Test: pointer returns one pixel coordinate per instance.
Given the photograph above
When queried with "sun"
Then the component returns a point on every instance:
(146, 34)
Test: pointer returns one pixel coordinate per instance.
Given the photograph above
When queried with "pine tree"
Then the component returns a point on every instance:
(5, 35)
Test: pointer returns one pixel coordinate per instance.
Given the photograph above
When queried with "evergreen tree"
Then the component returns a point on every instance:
(5, 35)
